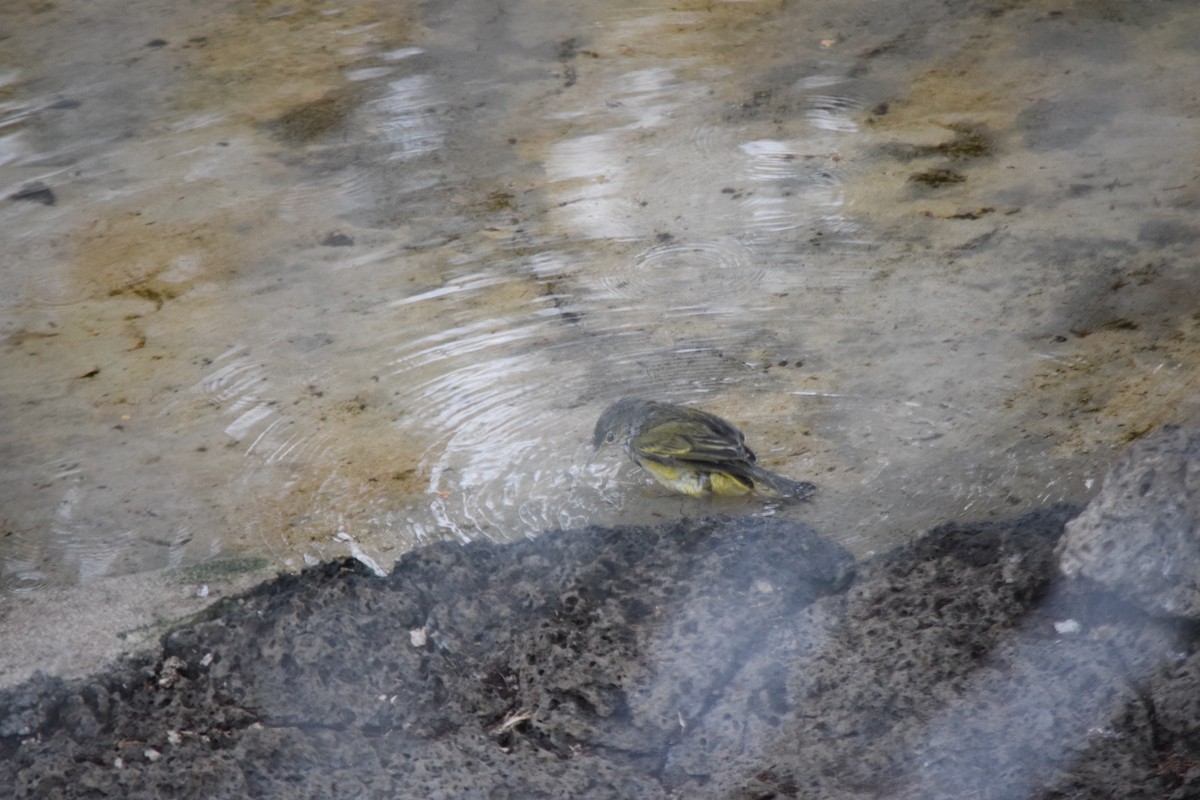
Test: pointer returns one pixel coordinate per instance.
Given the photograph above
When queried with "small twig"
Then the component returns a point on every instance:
(512, 720)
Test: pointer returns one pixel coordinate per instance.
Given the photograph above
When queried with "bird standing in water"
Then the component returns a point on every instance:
(690, 451)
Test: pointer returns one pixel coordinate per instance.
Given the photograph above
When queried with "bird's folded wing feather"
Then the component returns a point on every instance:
(672, 441)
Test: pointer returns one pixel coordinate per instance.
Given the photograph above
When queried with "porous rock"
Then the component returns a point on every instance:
(1140, 536)
(557, 668)
(715, 658)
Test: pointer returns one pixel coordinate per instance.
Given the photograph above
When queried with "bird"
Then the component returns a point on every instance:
(690, 451)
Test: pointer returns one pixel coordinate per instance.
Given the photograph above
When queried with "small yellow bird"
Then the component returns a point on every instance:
(690, 451)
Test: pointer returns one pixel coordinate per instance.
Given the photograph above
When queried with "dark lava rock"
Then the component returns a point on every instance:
(1140, 536)
(722, 658)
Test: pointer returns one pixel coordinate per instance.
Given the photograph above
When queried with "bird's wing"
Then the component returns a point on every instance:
(688, 441)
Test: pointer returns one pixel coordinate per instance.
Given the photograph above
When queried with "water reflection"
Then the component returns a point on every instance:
(341, 282)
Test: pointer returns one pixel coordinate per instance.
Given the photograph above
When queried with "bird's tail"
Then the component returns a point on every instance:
(767, 482)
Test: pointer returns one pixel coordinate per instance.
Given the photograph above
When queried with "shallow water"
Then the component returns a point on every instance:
(302, 280)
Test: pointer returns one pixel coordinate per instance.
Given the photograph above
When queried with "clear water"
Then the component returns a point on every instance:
(331, 278)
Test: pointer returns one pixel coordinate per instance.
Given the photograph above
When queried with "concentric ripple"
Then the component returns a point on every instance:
(492, 398)
(687, 274)
(832, 112)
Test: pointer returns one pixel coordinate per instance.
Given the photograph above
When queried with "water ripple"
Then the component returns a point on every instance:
(488, 397)
(240, 387)
(832, 112)
(410, 122)
(689, 275)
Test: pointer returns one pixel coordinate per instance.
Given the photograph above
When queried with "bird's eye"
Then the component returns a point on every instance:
(610, 437)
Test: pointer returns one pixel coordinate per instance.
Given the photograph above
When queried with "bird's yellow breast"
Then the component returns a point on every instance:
(690, 481)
